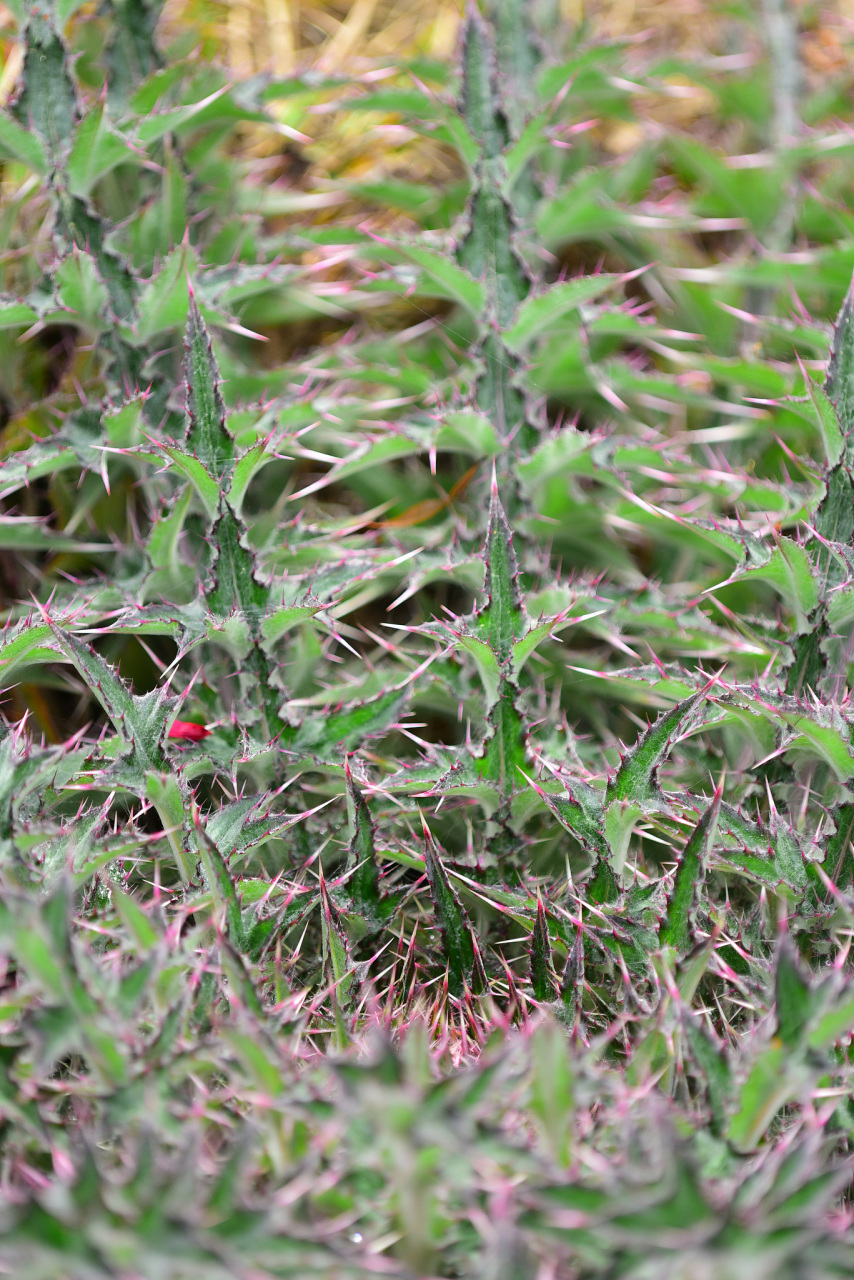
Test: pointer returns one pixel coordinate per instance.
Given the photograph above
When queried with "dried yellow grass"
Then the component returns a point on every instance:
(352, 37)
(283, 36)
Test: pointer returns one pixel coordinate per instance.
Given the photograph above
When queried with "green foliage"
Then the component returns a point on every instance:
(379, 607)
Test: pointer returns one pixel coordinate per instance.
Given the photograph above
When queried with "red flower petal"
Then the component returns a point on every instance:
(187, 729)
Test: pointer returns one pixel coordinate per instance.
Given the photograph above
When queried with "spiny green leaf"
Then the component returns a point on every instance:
(215, 107)
(135, 920)
(164, 539)
(834, 520)
(486, 661)
(17, 315)
(22, 534)
(539, 313)
(20, 143)
(241, 987)
(819, 727)
(540, 952)
(715, 1068)
(780, 860)
(773, 1081)
(131, 48)
(247, 466)
(839, 384)
(809, 665)
(95, 151)
(336, 949)
(838, 858)
(451, 919)
(488, 254)
(385, 450)
(234, 636)
(794, 997)
(48, 102)
(503, 754)
(499, 396)
(140, 721)
(347, 729)
(636, 778)
(534, 637)
(363, 883)
(572, 981)
(581, 811)
(501, 621)
(832, 1025)
(471, 433)
(279, 621)
(553, 1090)
(479, 106)
(677, 927)
(517, 57)
(621, 817)
(164, 300)
(244, 824)
(169, 798)
(20, 768)
(452, 281)
(83, 227)
(235, 586)
(220, 882)
(193, 469)
(790, 570)
(208, 437)
(603, 886)
(28, 642)
(828, 421)
(81, 290)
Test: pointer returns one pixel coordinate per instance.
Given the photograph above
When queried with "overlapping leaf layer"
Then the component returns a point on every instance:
(426, 775)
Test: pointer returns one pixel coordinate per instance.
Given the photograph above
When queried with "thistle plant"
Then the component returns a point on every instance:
(425, 775)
